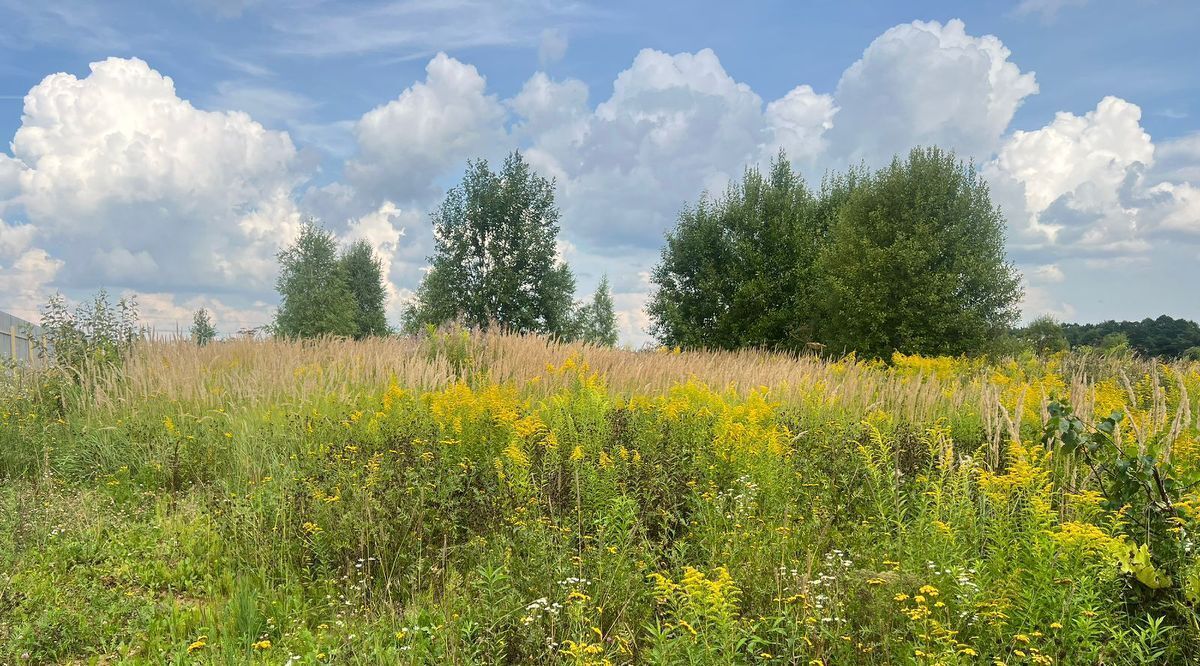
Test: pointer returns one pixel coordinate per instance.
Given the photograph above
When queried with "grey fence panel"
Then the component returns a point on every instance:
(15, 338)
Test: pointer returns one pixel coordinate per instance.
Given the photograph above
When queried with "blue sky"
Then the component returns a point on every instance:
(1082, 114)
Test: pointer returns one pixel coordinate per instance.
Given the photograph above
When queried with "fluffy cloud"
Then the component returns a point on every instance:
(1045, 273)
(25, 271)
(798, 122)
(675, 125)
(124, 178)
(927, 83)
(25, 280)
(1090, 184)
(434, 125)
(15, 238)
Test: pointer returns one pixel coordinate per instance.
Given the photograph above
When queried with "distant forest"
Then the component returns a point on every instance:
(1164, 337)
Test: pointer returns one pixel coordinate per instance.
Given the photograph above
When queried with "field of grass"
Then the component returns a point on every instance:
(498, 499)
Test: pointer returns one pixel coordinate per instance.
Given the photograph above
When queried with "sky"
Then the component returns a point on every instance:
(172, 151)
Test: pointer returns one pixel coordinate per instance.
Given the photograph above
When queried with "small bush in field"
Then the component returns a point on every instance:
(96, 333)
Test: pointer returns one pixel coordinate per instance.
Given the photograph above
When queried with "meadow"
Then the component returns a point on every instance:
(467, 498)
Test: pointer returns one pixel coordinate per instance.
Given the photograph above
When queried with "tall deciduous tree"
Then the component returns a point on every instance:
(916, 262)
(738, 271)
(364, 277)
(597, 320)
(314, 296)
(495, 258)
(908, 258)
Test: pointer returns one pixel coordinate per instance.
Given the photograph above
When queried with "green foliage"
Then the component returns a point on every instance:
(96, 335)
(315, 298)
(1045, 335)
(596, 322)
(1115, 344)
(1139, 481)
(495, 257)
(364, 277)
(915, 263)
(738, 271)
(202, 331)
(909, 258)
(1164, 337)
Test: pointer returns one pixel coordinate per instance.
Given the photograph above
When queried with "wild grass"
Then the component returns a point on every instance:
(472, 498)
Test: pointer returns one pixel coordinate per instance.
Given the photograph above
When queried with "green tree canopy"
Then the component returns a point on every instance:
(597, 319)
(495, 257)
(364, 278)
(1045, 335)
(202, 331)
(908, 258)
(315, 299)
(737, 271)
(915, 262)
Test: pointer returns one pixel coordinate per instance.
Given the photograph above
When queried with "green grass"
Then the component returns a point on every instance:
(576, 518)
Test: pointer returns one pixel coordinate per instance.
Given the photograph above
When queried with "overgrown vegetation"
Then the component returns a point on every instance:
(95, 336)
(463, 497)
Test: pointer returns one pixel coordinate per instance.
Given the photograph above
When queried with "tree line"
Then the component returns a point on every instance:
(1163, 337)
(909, 257)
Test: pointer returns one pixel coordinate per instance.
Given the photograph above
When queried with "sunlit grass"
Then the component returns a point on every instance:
(467, 498)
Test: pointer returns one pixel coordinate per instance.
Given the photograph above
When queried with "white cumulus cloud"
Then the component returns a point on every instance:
(928, 83)
(432, 127)
(128, 181)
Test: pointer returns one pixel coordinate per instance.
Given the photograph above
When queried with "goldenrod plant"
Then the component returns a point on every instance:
(463, 497)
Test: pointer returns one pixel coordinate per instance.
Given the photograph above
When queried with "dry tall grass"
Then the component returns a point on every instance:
(252, 373)
(266, 370)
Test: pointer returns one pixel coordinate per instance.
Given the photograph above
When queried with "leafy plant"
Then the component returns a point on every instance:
(1143, 486)
(95, 335)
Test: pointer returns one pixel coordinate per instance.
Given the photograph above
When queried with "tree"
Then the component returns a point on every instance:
(1115, 344)
(202, 327)
(364, 277)
(314, 297)
(738, 271)
(1045, 335)
(495, 255)
(915, 262)
(597, 320)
